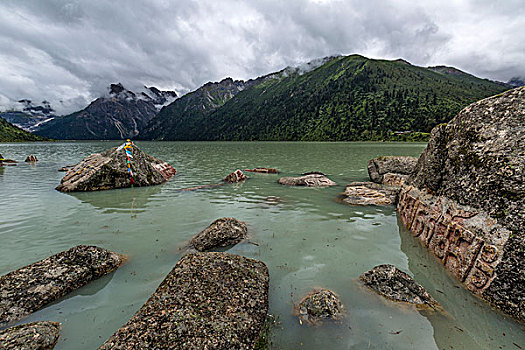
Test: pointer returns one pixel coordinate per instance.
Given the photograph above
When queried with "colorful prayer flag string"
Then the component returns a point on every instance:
(128, 148)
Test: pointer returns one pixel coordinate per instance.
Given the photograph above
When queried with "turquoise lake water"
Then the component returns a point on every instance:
(305, 237)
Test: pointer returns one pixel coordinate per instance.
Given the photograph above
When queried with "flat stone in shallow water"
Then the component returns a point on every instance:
(369, 193)
(320, 305)
(32, 336)
(208, 301)
(222, 232)
(30, 288)
(394, 284)
(311, 180)
(263, 170)
(109, 170)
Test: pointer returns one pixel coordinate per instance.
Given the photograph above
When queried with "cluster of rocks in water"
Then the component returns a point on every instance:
(7, 162)
(463, 198)
(30, 159)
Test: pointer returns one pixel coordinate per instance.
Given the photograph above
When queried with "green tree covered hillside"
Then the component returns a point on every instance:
(346, 98)
(10, 133)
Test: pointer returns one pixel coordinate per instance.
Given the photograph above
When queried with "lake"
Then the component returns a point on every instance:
(305, 237)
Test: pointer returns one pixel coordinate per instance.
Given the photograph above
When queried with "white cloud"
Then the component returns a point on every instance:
(70, 51)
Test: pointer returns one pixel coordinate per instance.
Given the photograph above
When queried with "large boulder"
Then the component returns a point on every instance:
(394, 165)
(208, 301)
(109, 170)
(222, 232)
(369, 193)
(466, 197)
(320, 305)
(30, 288)
(42, 335)
(311, 180)
(394, 284)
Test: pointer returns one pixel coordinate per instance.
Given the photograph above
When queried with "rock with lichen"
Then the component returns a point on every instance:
(222, 232)
(369, 193)
(320, 305)
(42, 335)
(400, 165)
(109, 170)
(465, 199)
(30, 288)
(208, 301)
(236, 176)
(396, 285)
(311, 180)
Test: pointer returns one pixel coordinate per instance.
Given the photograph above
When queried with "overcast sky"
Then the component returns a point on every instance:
(70, 51)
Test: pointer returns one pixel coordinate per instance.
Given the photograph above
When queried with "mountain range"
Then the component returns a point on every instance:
(121, 114)
(341, 98)
(333, 98)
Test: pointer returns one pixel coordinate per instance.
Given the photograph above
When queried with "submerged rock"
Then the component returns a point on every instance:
(31, 159)
(222, 232)
(312, 180)
(263, 170)
(369, 193)
(30, 288)
(236, 176)
(4, 161)
(32, 336)
(394, 284)
(320, 305)
(67, 167)
(466, 196)
(313, 173)
(208, 301)
(109, 170)
(380, 166)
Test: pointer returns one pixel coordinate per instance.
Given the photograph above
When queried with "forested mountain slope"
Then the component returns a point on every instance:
(346, 98)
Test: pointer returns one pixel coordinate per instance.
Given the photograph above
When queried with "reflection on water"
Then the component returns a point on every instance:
(133, 200)
(468, 321)
(306, 239)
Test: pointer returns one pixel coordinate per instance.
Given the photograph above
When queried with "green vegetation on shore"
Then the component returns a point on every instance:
(347, 98)
(11, 133)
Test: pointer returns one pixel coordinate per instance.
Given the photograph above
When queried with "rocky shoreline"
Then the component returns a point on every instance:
(465, 199)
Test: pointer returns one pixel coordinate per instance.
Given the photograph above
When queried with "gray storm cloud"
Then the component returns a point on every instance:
(68, 52)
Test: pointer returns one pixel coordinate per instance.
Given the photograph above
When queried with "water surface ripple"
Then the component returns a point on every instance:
(306, 238)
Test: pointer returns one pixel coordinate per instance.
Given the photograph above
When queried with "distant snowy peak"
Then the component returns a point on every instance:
(150, 94)
(42, 110)
(516, 81)
(159, 97)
